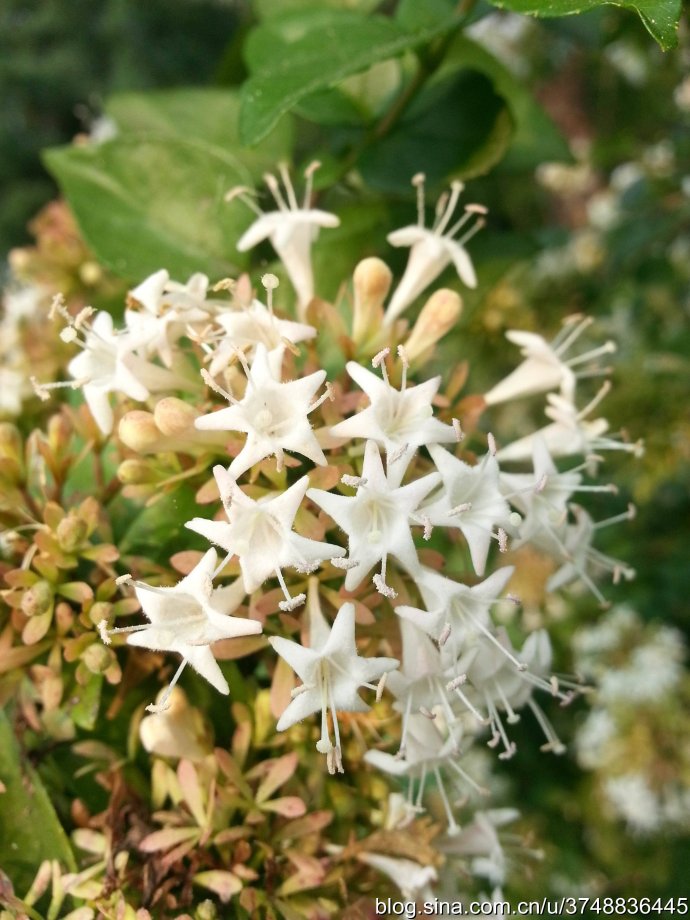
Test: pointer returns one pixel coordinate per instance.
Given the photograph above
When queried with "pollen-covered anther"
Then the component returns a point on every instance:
(456, 682)
(354, 481)
(491, 441)
(102, 628)
(383, 588)
(457, 428)
(427, 713)
(380, 357)
(342, 562)
(292, 603)
(445, 635)
(502, 540)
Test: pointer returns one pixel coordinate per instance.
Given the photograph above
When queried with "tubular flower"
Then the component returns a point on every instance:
(431, 250)
(260, 534)
(188, 618)
(291, 230)
(331, 672)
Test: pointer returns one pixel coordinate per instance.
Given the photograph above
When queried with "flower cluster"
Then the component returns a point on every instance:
(373, 500)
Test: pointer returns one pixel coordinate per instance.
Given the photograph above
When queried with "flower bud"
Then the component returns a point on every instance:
(134, 472)
(97, 658)
(372, 280)
(139, 431)
(10, 453)
(439, 314)
(179, 731)
(174, 416)
(71, 533)
(37, 599)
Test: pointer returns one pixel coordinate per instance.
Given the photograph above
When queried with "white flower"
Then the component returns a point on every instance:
(480, 842)
(457, 613)
(291, 230)
(409, 876)
(250, 326)
(570, 432)
(260, 534)
(377, 519)
(572, 545)
(273, 415)
(545, 366)
(472, 501)
(188, 618)
(426, 751)
(107, 364)
(168, 308)
(331, 672)
(432, 250)
(396, 419)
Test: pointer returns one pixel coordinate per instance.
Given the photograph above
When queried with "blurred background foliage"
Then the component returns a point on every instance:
(575, 132)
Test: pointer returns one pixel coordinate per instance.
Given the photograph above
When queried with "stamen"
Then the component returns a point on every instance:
(445, 635)
(427, 713)
(481, 790)
(163, 705)
(244, 194)
(290, 603)
(457, 428)
(491, 441)
(380, 687)
(354, 481)
(418, 182)
(341, 562)
(274, 188)
(270, 283)
(456, 188)
(453, 828)
(217, 388)
(287, 182)
(399, 453)
(309, 184)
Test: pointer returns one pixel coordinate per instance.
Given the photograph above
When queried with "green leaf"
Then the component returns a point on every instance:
(207, 115)
(459, 126)
(29, 828)
(85, 702)
(145, 204)
(536, 137)
(152, 197)
(660, 17)
(335, 45)
(159, 529)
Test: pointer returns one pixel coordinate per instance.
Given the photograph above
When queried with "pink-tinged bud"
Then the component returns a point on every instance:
(139, 431)
(438, 316)
(174, 416)
(372, 280)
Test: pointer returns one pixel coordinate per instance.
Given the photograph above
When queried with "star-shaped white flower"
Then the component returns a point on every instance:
(260, 534)
(254, 325)
(166, 309)
(188, 618)
(108, 364)
(291, 230)
(377, 519)
(472, 501)
(331, 672)
(396, 419)
(431, 250)
(274, 416)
